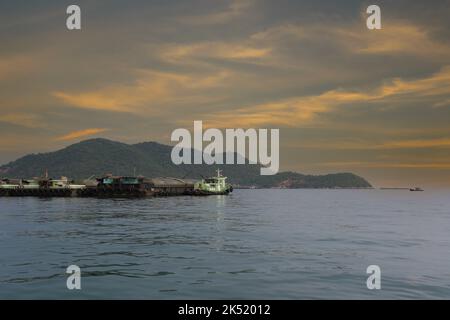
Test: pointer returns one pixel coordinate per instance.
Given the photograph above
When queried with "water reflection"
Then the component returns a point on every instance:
(220, 221)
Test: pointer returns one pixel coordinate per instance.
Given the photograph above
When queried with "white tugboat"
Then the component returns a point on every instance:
(213, 185)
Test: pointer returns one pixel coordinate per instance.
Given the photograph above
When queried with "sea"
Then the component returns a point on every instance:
(252, 244)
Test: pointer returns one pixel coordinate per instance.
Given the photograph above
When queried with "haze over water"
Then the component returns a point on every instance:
(253, 244)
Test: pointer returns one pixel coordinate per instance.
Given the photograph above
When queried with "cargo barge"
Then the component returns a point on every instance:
(40, 187)
(111, 186)
(123, 186)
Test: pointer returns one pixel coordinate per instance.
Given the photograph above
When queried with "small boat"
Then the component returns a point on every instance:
(416, 189)
(213, 186)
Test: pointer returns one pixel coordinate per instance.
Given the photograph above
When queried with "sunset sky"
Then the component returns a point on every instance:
(346, 99)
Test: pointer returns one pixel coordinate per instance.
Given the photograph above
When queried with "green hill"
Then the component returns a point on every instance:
(151, 159)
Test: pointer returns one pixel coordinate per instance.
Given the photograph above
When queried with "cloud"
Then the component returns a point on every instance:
(349, 52)
(203, 66)
(298, 111)
(151, 94)
(13, 66)
(23, 119)
(122, 98)
(91, 100)
(394, 38)
(234, 10)
(286, 31)
(80, 134)
(322, 77)
(182, 53)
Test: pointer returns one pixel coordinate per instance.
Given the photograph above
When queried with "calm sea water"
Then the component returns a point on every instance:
(259, 244)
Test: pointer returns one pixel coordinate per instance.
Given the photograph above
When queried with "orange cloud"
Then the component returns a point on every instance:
(396, 38)
(81, 133)
(151, 93)
(301, 110)
(90, 100)
(393, 38)
(176, 53)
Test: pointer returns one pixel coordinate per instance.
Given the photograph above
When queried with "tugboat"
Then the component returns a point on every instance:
(416, 189)
(213, 186)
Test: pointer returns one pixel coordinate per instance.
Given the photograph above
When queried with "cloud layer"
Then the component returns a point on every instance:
(344, 97)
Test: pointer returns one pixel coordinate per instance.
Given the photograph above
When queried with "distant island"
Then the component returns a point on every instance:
(96, 157)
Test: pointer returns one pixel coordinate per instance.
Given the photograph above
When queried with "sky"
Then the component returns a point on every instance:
(345, 98)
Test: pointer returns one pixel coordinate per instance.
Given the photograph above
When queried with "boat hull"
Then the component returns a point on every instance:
(199, 192)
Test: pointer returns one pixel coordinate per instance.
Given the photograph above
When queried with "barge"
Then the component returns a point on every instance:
(110, 186)
(40, 187)
(124, 186)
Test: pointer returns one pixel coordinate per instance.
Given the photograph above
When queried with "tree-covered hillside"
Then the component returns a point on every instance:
(100, 156)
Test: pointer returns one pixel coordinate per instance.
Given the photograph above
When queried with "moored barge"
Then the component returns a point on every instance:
(124, 186)
(40, 187)
(111, 186)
